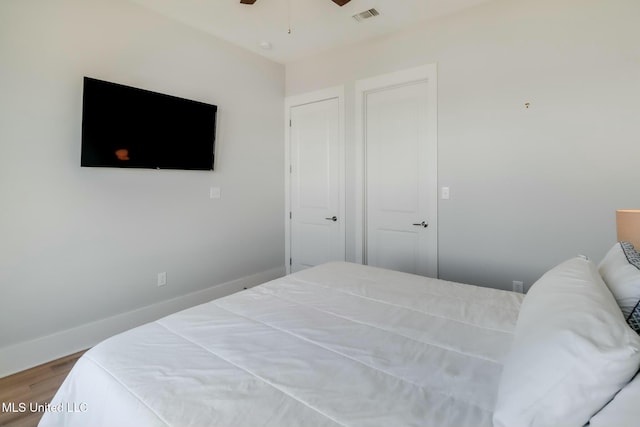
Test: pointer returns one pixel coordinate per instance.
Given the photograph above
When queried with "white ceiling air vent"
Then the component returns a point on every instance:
(365, 15)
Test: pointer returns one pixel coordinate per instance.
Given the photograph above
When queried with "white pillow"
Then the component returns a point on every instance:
(572, 351)
(620, 269)
(623, 410)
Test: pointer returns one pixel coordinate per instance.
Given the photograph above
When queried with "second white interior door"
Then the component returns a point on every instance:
(398, 188)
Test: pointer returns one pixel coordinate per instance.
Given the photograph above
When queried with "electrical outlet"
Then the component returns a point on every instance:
(162, 278)
(518, 286)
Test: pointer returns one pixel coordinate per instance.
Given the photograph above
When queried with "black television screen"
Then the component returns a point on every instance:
(126, 127)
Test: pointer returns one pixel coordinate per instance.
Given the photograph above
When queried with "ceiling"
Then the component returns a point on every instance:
(316, 25)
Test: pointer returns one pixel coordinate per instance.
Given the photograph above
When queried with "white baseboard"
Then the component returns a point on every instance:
(28, 354)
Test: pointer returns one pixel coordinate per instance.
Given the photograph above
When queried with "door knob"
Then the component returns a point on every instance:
(422, 224)
(333, 218)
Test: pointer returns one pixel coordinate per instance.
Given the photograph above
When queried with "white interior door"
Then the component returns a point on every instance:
(316, 224)
(400, 190)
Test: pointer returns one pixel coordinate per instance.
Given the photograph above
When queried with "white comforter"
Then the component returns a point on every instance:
(336, 345)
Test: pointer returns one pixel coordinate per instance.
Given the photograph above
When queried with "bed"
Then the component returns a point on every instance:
(336, 345)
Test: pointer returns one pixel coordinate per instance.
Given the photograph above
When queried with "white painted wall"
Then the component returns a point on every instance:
(82, 244)
(529, 187)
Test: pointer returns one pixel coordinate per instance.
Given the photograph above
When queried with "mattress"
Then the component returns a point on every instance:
(336, 345)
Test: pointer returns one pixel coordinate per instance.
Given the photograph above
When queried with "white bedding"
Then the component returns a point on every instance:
(336, 345)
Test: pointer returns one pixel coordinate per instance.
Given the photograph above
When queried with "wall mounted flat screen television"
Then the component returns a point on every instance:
(126, 127)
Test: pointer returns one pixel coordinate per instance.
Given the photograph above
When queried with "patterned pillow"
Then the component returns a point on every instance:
(634, 318)
(634, 259)
(620, 270)
(632, 255)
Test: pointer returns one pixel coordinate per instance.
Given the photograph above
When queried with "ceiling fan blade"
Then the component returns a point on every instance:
(247, 1)
(341, 2)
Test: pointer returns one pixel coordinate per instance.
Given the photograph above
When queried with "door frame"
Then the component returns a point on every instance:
(290, 102)
(426, 73)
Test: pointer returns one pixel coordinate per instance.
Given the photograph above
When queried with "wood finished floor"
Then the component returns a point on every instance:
(38, 384)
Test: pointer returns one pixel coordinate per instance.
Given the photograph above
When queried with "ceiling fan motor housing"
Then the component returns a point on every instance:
(338, 2)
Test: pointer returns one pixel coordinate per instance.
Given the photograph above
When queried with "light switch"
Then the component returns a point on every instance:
(445, 193)
(214, 192)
